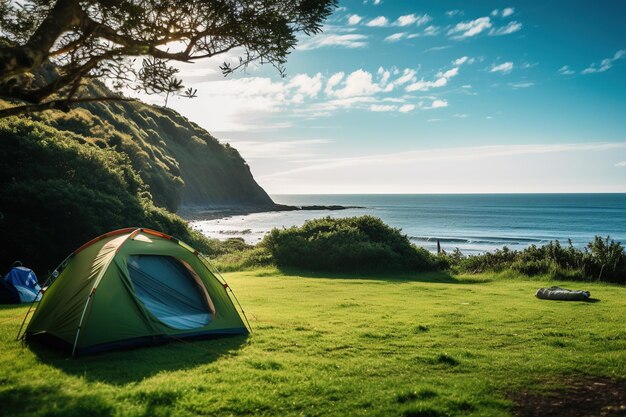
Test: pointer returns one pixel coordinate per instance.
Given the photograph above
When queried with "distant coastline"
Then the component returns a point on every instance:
(194, 213)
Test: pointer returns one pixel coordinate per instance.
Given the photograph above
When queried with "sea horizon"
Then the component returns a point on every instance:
(473, 223)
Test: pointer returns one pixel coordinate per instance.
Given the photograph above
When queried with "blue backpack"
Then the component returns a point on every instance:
(20, 285)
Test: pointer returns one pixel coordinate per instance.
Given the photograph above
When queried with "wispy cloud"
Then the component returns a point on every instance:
(621, 164)
(406, 108)
(522, 84)
(354, 19)
(265, 149)
(329, 39)
(463, 60)
(441, 80)
(566, 70)
(438, 48)
(455, 12)
(382, 107)
(412, 19)
(512, 27)
(395, 37)
(504, 68)
(475, 153)
(380, 21)
(605, 64)
(436, 104)
(470, 28)
(506, 12)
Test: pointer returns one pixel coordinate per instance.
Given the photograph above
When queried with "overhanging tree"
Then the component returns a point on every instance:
(48, 48)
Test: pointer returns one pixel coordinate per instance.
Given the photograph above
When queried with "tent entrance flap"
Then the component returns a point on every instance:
(168, 290)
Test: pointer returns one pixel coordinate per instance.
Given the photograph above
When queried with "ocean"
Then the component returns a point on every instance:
(474, 223)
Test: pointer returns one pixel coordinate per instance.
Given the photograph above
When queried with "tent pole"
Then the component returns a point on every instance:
(45, 284)
(80, 323)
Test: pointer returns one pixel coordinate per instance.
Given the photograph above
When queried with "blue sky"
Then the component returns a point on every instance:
(433, 97)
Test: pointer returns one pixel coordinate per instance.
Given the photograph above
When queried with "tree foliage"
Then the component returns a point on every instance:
(133, 43)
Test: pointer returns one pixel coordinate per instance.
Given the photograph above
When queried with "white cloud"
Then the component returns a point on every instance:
(431, 30)
(441, 79)
(503, 68)
(523, 84)
(354, 19)
(605, 64)
(508, 11)
(306, 85)
(456, 12)
(450, 73)
(406, 20)
(470, 28)
(437, 104)
(406, 108)
(408, 75)
(410, 19)
(512, 27)
(566, 70)
(461, 115)
(380, 21)
(395, 37)
(350, 40)
(621, 164)
(358, 83)
(382, 107)
(332, 82)
(460, 61)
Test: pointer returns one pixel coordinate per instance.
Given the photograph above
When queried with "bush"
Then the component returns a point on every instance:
(602, 259)
(355, 244)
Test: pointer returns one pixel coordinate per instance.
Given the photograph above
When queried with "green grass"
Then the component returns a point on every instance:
(330, 345)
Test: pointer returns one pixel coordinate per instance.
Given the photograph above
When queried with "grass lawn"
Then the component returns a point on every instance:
(434, 345)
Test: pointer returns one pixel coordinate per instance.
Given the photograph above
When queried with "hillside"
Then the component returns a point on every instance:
(181, 163)
(66, 178)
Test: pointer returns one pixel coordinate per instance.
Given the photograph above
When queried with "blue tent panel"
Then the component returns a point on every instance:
(169, 291)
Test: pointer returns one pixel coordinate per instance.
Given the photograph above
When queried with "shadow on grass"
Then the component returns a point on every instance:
(440, 277)
(27, 400)
(132, 365)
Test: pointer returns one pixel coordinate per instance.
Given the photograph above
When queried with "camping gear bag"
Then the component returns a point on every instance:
(563, 294)
(20, 285)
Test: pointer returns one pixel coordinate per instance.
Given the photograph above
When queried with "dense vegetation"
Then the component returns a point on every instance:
(58, 190)
(602, 259)
(366, 244)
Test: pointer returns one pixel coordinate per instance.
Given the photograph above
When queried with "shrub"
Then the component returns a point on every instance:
(361, 244)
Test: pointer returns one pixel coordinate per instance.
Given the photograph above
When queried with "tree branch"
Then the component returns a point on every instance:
(20, 59)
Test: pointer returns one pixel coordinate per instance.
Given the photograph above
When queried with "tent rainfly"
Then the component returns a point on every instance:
(134, 287)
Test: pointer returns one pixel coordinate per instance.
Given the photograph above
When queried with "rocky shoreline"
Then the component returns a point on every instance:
(191, 213)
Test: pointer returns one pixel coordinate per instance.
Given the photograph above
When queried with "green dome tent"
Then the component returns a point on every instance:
(134, 287)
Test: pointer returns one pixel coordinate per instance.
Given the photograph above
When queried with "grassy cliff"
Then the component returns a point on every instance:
(68, 177)
(180, 162)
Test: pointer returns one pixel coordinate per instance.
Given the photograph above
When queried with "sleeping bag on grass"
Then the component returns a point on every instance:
(563, 294)
(20, 285)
